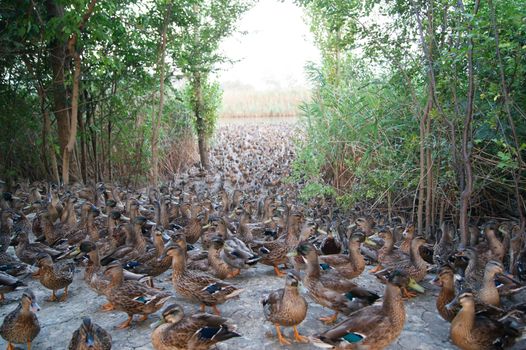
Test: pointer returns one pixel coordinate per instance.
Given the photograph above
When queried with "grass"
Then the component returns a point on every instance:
(242, 103)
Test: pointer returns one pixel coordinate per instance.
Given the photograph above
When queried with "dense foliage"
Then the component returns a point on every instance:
(107, 78)
(418, 107)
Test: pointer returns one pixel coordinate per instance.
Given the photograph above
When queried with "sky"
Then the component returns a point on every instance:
(275, 49)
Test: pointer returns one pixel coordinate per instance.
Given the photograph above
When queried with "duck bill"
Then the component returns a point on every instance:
(415, 286)
(436, 282)
(292, 254)
(35, 307)
(452, 305)
(90, 341)
(157, 324)
(370, 242)
(74, 252)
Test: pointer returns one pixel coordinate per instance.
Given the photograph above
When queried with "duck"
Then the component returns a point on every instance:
(330, 245)
(6, 224)
(488, 294)
(444, 247)
(195, 260)
(275, 252)
(150, 263)
(373, 327)
(335, 292)
(94, 275)
(196, 286)
(21, 325)
(87, 228)
(416, 267)
(13, 266)
(135, 246)
(54, 276)
(8, 284)
(408, 234)
(388, 254)
(132, 297)
(200, 331)
(90, 336)
(236, 253)
(472, 331)
(218, 266)
(28, 252)
(193, 228)
(286, 307)
(445, 279)
(351, 265)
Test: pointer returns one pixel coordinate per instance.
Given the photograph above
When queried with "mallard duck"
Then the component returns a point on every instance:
(388, 254)
(366, 224)
(351, 265)
(54, 276)
(90, 336)
(416, 267)
(330, 245)
(150, 264)
(199, 331)
(8, 284)
(13, 266)
(192, 230)
(21, 325)
(87, 228)
(330, 293)
(199, 287)
(93, 274)
(444, 247)
(373, 327)
(408, 234)
(471, 331)
(27, 252)
(286, 307)
(6, 224)
(135, 246)
(445, 279)
(236, 253)
(218, 266)
(275, 252)
(489, 294)
(132, 297)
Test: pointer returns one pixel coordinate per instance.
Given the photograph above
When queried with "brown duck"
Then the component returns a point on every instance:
(21, 325)
(286, 307)
(200, 331)
(54, 276)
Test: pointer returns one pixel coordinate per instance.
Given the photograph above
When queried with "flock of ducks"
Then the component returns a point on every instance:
(207, 228)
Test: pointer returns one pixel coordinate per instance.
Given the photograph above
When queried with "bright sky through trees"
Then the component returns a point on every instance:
(274, 50)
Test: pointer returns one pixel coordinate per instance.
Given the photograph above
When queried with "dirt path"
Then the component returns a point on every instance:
(424, 329)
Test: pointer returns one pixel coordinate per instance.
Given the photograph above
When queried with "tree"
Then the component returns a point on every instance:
(196, 52)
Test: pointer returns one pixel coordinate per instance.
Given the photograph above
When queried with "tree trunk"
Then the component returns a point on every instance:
(83, 152)
(46, 147)
(465, 196)
(421, 181)
(200, 122)
(429, 184)
(57, 58)
(157, 122)
(68, 150)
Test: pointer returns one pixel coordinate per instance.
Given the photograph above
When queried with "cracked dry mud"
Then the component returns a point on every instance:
(424, 329)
